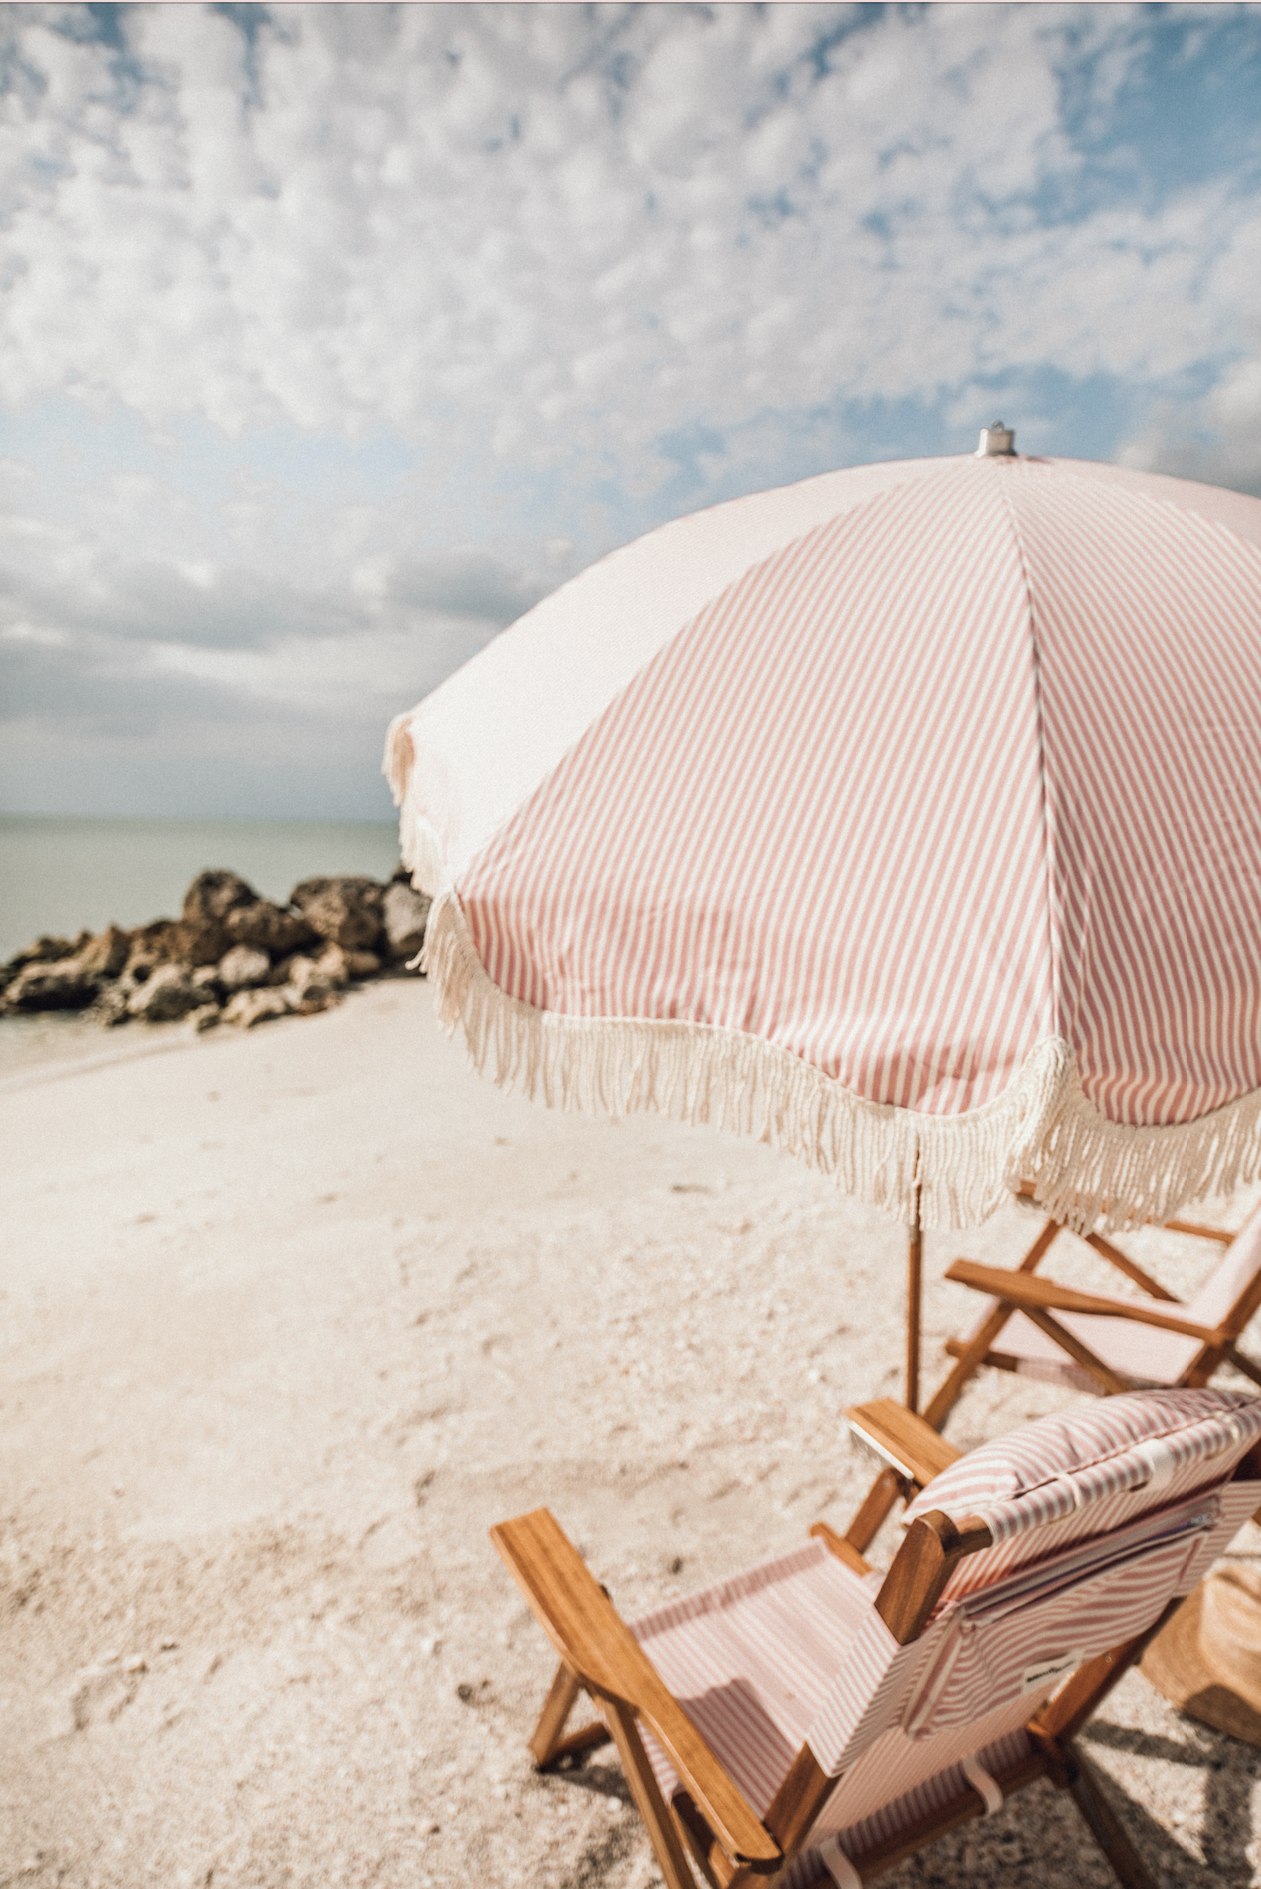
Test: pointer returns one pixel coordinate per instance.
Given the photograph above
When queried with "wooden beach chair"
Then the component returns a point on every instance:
(1095, 1342)
(807, 1720)
(1085, 1340)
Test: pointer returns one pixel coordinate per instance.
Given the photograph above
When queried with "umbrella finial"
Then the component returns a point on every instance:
(995, 440)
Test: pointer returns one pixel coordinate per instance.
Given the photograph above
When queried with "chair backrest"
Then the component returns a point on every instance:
(1232, 1292)
(1094, 1519)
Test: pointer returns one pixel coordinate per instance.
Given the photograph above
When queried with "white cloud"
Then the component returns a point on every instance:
(584, 266)
(518, 226)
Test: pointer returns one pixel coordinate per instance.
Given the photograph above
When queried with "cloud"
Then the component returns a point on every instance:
(333, 336)
(142, 636)
(99, 648)
(554, 236)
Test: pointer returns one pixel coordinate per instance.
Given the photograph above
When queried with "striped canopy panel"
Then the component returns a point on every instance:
(910, 817)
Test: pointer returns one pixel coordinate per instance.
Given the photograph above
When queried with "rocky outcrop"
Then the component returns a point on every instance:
(106, 955)
(269, 928)
(313, 985)
(168, 995)
(207, 904)
(242, 968)
(47, 950)
(346, 911)
(249, 1007)
(110, 1007)
(230, 956)
(61, 985)
(158, 943)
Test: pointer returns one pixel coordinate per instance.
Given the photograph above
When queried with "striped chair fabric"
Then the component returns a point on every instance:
(1101, 1515)
(1140, 1354)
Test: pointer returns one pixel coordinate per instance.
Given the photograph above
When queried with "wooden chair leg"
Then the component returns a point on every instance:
(974, 1355)
(1053, 1731)
(1106, 1827)
(649, 1802)
(547, 1741)
(880, 1498)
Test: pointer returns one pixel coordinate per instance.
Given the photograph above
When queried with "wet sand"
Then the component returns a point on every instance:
(289, 1319)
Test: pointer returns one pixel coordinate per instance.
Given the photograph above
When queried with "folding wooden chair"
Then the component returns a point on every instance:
(1084, 1340)
(1099, 1343)
(807, 1720)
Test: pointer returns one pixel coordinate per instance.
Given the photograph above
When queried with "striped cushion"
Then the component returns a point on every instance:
(752, 1658)
(794, 1650)
(1138, 1354)
(1065, 1462)
(1230, 1278)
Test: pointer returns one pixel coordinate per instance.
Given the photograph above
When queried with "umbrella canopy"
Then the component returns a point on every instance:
(909, 818)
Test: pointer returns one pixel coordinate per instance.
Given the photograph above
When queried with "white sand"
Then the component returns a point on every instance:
(288, 1321)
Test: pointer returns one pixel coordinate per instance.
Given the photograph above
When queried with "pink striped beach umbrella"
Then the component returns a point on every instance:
(908, 818)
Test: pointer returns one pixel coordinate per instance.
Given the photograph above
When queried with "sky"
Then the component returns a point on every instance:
(333, 337)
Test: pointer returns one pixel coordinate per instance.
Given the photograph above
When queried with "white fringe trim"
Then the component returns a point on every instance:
(1086, 1171)
(397, 762)
(419, 847)
(697, 1072)
(1089, 1171)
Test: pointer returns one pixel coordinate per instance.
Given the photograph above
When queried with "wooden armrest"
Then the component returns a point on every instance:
(908, 1444)
(589, 1634)
(843, 1550)
(1025, 1288)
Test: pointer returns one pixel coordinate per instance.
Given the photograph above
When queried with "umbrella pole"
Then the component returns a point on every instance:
(914, 1283)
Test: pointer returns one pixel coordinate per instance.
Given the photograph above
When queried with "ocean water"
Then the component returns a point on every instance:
(64, 876)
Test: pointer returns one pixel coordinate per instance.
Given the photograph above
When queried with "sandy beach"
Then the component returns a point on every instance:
(290, 1318)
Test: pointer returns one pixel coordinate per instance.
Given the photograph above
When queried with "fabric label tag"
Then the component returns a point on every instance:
(1045, 1670)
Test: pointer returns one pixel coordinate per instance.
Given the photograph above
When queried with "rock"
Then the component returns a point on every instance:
(269, 928)
(207, 903)
(110, 1008)
(347, 910)
(166, 996)
(206, 1018)
(243, 967)
(405, 912)
(310, 987)
(206, 977)
(46, 950)
(61, 985)
(342, 966)
(314, 997)
(158, 943)
(334, 964)
(249, 1007)
(107, 953)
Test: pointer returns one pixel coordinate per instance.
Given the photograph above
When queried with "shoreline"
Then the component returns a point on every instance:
(59, 872)
(37, 1071)
(231, 957)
